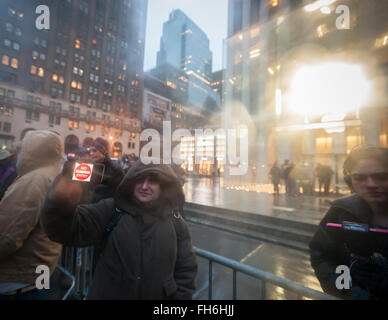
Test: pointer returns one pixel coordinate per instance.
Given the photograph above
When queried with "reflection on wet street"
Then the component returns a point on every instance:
(215, 192)
(286, 263)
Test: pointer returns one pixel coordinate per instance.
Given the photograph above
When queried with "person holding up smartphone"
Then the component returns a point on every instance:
(148, 254)
(366, 173)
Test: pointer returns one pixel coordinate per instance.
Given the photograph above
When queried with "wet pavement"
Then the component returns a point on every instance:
(286, 263)
(256, 198)
(281, 261)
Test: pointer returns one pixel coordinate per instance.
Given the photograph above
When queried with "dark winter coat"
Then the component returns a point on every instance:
(327, 251)
(324, 173)
(276, 174)
(145, 257)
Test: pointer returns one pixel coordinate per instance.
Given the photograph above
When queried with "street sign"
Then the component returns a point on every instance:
(82, 172)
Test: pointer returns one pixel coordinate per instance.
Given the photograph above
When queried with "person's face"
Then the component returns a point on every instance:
(147, 189)
(96, 155)
(370, 181)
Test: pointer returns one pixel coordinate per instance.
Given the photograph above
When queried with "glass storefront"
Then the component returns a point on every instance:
(198, 154)
(312, 76)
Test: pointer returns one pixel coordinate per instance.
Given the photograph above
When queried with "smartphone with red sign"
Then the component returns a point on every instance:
(85, 170)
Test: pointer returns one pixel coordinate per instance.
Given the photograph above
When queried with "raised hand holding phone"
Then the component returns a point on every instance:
(78, 179)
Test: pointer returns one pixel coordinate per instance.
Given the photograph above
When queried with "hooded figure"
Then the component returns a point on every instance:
(148, 255)
(23, 244)
(99, 153)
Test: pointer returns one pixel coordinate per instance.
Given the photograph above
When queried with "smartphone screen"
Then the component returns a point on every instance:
(82, 172)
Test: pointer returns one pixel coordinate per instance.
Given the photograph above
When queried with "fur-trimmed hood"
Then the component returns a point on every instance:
(171, 189)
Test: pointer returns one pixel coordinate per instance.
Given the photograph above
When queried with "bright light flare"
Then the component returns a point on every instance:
(331, 87)
(278, 102)
(333, 117)
(318, 4)
(325, 10)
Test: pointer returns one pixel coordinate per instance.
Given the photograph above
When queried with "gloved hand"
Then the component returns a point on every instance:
(371, 273)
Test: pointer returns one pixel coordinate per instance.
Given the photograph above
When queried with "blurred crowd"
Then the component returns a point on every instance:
(301, 178)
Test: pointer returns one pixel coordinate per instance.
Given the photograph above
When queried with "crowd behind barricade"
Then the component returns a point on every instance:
(118, 226)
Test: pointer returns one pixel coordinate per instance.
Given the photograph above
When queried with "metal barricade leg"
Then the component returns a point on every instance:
(78, 264)
(210, 279)
(234, 284)
(263, 289)
(84, 259)
(90, 256)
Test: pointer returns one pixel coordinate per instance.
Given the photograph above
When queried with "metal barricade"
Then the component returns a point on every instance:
(79, 261)
(265, 277)
(72, 279)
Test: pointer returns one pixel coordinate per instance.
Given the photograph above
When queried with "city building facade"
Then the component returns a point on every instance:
(167, 99)
(82, 77)
(163, 82)
(218, 84)
(185, 46)
(310, 78)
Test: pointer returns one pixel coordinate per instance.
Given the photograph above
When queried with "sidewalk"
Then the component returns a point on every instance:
(258, 199)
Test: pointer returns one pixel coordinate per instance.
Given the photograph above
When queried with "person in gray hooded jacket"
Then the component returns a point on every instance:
(149, 254)
(23, 244)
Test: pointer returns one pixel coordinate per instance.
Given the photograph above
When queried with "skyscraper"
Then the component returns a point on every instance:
(185, 46)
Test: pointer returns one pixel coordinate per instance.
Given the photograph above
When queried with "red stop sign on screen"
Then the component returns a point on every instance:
(82, 172)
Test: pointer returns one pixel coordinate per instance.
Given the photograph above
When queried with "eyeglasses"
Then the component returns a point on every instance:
(377, 177)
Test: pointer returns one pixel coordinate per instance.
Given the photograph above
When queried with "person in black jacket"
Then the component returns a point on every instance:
(99, 153)
(366, 173)
(276, 174)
